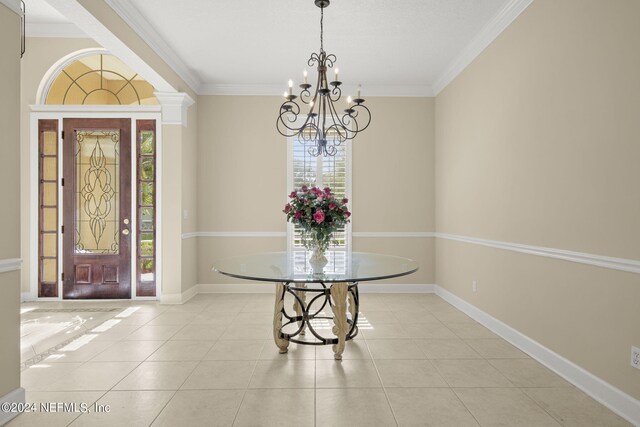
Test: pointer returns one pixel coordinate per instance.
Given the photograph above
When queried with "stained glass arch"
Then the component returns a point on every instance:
(95, 77)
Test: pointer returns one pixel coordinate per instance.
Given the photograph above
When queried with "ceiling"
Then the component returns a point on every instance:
(389, 46)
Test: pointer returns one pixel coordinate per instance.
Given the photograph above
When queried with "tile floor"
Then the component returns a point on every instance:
(417, 361)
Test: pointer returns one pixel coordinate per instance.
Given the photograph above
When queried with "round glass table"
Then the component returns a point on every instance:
(318, 298)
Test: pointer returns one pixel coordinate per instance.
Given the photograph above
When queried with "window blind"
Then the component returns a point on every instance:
(331, 171)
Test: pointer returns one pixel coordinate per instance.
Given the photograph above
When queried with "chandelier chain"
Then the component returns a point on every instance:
(322, 29)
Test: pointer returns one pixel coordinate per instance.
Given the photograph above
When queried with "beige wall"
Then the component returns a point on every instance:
(10, 208)
(242, 164)
(537, 143)
(171, 210)
(189, 198)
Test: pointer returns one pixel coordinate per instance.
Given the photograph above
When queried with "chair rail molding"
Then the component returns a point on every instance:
(383, 234)
(11, 264)
(622, 264)
(391, 234)
(234, 234)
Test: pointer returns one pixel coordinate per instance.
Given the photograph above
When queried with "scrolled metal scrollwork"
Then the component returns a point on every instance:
(305, 313)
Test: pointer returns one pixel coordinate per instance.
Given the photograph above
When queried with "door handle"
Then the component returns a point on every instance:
(125, 231)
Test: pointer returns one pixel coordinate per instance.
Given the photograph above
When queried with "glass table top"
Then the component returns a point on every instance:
(294, 266)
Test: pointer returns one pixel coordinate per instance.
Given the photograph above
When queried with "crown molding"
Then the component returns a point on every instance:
(483, 39)
(621, 264)
(138, 23)
(277, 90)
(46, 29)
(13, 5)
(174, 107)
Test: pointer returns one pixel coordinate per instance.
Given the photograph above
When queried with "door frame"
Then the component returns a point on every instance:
(59, 113)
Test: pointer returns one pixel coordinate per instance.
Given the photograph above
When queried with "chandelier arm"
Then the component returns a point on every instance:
(330, 60)
(351, 123)
(309, 136)
(305, 96)
(287, 115)
(338, 125)
(337, 94)
(368, 115)
(284, 132)
(331, 150)
(314, 59)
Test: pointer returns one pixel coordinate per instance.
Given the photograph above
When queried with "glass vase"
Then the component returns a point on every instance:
(318, 260)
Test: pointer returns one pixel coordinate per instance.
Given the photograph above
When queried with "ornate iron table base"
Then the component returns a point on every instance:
(342, 298)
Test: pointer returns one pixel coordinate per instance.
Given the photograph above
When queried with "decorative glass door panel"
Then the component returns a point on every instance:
(97, 201)
(97, 217)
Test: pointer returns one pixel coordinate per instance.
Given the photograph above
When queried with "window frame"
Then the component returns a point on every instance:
(348, 190)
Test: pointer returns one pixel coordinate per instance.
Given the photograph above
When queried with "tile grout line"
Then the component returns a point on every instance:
(456, 394)
(174, 392)
(185, 380)
(384, 390)
(139, 363)
(449, 384)
(539, 405)
(463, 404)
(96, 401)
(255, 365)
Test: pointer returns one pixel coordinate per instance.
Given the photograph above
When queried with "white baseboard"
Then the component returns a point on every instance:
(180, 298)
(26, 297)
(16, 396)
(611, 397)
(236, 288)
(267, 288)
(392, 288)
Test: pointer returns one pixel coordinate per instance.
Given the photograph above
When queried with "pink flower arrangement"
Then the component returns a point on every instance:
(318, 213)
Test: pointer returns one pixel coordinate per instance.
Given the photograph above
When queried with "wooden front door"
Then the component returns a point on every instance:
(97, 208)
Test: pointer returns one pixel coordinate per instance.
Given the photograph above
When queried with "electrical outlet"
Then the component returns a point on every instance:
(635, 357)
(474, 286)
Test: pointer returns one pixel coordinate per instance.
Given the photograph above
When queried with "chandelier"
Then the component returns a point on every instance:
(323, 128)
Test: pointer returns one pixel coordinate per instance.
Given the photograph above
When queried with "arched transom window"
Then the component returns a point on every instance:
(99, 79)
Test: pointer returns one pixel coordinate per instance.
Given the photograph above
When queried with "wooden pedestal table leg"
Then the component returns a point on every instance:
(282, 344)
(296, 306)
(341, 326)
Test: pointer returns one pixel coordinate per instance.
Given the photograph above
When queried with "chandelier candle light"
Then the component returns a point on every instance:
(323, 128)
